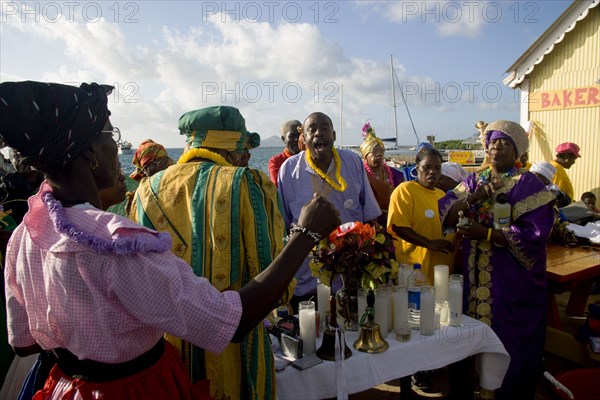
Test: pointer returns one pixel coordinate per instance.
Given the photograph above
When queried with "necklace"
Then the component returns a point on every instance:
(387, 172)
(202, 153)
(486, 175)
(482, 210)
(340, 185)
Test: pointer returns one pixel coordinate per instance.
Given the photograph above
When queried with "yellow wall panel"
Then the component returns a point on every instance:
(574, 62)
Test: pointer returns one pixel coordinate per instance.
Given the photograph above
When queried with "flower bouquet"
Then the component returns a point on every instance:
(363, 255)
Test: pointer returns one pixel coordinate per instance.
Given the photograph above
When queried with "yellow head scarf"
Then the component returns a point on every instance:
(370, 142)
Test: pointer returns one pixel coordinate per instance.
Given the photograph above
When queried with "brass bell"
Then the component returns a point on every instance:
(370, 339)
(327, 349)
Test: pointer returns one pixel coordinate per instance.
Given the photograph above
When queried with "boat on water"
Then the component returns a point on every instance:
(125, 147)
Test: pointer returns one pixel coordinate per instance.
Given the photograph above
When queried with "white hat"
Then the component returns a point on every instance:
(543, 168)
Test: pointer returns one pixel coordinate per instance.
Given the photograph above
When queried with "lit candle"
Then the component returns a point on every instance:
(323, 298)
(455, 300)
(403, 272)
(306, 311)
(400, 305)
(427, 324)
(382, 313)
(440, 281)
(444, 312)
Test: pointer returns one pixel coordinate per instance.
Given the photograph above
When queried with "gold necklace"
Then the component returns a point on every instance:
(202, 153)
(341, 186)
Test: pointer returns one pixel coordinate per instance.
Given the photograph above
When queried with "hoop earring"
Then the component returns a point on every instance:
(233, 158)
(94, 164)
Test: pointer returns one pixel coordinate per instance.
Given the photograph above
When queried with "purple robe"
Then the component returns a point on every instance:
(506, 287)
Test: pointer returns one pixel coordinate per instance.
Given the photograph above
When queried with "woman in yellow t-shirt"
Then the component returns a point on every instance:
(414, 220)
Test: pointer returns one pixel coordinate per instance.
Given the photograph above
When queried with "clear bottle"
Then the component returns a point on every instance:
(415, 281)
(502, 211)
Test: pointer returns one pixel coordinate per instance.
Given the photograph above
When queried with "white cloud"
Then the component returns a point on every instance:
(450, 18)
(257, 67)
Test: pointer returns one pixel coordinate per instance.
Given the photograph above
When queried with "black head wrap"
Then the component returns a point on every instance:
(50, 124)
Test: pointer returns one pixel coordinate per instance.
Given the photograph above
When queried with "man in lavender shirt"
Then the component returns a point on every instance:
(338, 175)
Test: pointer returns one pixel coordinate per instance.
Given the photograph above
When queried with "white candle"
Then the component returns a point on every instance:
(427, 324)
(444, 313)
(400, 304)
(403, 272)
(306, 311)
(455, 300)
(440, 281)
(381, 310)
(323, 292)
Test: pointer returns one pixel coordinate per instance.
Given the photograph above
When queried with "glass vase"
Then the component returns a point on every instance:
(347, 301)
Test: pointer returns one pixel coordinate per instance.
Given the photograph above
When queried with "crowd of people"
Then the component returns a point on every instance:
(166, 297)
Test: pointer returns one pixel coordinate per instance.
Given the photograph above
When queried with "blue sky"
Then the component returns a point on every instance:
(281, 60)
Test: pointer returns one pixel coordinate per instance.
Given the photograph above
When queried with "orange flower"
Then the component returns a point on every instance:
(356, 250)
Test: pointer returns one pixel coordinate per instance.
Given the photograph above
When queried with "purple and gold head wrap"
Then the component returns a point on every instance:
(147, 152)
(220, 127)
(48, 124)
(508, 130)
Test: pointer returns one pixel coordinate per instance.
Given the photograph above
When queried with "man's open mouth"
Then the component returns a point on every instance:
(320, 145)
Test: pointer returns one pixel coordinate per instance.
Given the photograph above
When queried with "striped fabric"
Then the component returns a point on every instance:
(226, 223)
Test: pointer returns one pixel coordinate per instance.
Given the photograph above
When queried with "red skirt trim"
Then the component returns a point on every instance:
(166, 379)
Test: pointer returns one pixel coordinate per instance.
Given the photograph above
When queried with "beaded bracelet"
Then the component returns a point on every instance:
(466, 202)
(315, 237)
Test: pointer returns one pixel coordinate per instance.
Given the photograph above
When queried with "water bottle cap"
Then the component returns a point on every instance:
(417, 266)
(502, 198)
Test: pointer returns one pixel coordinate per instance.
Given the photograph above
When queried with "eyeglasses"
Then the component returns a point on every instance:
(115, 132)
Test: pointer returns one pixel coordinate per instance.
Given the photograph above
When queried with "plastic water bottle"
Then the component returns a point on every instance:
(502, 211)
(416, 280)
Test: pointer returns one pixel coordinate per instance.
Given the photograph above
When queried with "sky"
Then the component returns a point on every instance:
(282, 60)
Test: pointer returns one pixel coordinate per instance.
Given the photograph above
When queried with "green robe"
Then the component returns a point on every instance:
(226, 223)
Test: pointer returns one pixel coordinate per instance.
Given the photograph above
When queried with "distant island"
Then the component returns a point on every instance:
(454, 144)
(273, 141)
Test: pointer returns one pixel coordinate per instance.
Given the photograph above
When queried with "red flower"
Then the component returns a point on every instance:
(356, 250)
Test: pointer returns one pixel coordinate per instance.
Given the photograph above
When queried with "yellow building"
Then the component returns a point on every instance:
(559, 82)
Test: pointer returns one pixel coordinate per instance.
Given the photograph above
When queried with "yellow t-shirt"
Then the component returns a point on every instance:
(414, 206)
(562, 180)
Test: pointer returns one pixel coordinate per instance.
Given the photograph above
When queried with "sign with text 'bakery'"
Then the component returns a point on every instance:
(565, 98)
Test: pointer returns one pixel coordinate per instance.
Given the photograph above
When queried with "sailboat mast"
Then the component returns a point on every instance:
(394, 98)
(341, 113)
(405, 105)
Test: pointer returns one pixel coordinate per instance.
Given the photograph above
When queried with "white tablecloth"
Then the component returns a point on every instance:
(363, 371)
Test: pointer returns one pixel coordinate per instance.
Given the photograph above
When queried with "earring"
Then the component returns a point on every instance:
(94, 164)
(234, 158)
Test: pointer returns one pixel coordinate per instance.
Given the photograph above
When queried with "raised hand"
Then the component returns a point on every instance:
(319, 216)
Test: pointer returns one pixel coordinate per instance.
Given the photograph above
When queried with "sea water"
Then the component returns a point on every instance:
(259, 158)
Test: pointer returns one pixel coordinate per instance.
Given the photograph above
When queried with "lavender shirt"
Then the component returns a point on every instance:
(297, 182)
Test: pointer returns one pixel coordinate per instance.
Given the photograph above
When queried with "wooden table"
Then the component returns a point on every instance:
(570, 269)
